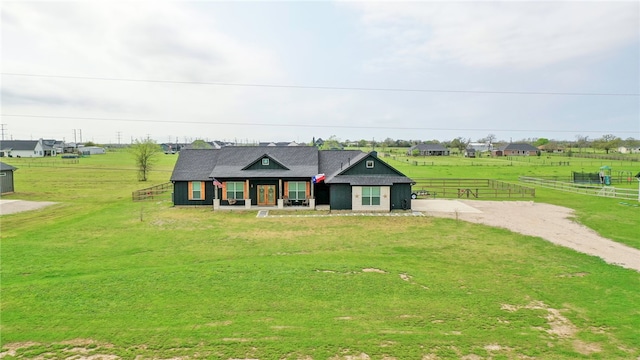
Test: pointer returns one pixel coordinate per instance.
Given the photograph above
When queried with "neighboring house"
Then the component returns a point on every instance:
(50, 147)
(470, 153)
(480, 146)
(22, 148)
(629, 149)
(171, 148)
(318, 142)
(277, 176)
(6, 178)
(281, 143)
(515, 149)
(429, 150)
(551, 149)
(92, 150)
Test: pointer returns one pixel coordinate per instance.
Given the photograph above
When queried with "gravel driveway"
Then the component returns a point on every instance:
(15, 206)
(549, 222)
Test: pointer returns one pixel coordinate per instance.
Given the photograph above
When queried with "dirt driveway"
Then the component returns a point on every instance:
(549, 222)
(15, 206)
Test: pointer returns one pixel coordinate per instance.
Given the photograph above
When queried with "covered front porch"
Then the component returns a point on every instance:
(256, 194)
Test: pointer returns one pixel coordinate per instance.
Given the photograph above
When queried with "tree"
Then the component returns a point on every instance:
(608, 142)
(541, 141)
(201, 144)
(582, 141)
(332, 143)
(145, 153)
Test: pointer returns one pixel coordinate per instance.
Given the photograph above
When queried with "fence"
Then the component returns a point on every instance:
(21, 163)
(470, 189)
(593, 190)
(151, 193)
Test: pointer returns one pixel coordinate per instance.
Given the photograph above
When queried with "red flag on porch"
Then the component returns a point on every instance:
(316, 179)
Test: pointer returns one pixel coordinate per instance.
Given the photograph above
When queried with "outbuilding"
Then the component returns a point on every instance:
(6, 178)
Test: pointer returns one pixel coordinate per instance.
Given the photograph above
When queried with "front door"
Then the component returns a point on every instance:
(266, 195)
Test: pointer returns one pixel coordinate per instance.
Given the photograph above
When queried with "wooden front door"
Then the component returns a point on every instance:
(266, 195)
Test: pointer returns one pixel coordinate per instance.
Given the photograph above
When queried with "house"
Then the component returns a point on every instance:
(171, 148)
(92, 150)
(429, 150)
(279, 176)
(281, 143)
(470, 153)
(515, 149)
(6, 178)
(480, 146)
(629, 149)
(23, 148)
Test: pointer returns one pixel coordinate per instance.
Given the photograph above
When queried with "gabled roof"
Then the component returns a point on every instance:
(265, 156)
(18, 144)
(519, 147)
(336, 163)
(429, 147)
(194, 165)
(299, 161)
(6, 167)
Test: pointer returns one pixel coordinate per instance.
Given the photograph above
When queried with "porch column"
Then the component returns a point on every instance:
(216, 201)
(280, 195)
(312, 186)
(247, 196)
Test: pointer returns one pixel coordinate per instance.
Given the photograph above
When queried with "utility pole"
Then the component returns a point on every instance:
(80, 135)
(2, 129)
(119, 133)
(75, 140)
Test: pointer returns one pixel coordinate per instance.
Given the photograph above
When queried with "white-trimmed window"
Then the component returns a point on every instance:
(297, 190)
(235, 190)
(369, 164)
(370, 195)
(196, 190)
(265, 161)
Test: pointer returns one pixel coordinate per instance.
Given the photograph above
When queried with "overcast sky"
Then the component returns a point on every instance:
(291, 71)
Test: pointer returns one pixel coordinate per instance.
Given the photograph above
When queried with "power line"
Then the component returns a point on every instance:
(306, 125)
(310, 87)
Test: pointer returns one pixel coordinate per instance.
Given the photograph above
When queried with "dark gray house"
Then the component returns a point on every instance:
(429, 150)
(6, 178)
(279, 176)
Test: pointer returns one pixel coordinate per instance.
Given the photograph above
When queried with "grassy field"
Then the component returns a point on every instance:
(99, 274)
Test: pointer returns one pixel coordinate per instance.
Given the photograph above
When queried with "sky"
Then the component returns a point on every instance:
(293, 71)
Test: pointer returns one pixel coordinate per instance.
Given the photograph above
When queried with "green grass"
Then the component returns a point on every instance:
(152, 280)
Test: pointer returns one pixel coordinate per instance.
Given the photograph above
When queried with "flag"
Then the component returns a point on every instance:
(217, 183)
(316, 179)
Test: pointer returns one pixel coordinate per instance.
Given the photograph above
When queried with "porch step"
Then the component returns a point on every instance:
(263, 213)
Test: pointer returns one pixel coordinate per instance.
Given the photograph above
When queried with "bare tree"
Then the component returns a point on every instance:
(145, 153)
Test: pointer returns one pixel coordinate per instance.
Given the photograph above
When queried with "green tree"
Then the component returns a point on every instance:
(145, 153)
(541, 141)
(608, 142)
(201, 144)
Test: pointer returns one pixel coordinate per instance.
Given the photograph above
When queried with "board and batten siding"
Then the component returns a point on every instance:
(6, 182)
(181, 194)
(401, 193)
(340, 196)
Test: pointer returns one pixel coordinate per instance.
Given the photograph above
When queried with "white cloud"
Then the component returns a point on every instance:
(497, 34)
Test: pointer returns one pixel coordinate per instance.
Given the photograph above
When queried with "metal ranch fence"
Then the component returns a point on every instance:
(469, 189)
(585, 189)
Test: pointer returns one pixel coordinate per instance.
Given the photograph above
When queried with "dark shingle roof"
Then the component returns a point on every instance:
(6, 167)
(194, 164)
(18, 144)
(429, 147)
(300, 161)
(519, 146)
(332, 162)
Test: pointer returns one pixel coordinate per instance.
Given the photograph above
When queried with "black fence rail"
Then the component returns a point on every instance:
(151, 193)
(469, 189)
(22, 163)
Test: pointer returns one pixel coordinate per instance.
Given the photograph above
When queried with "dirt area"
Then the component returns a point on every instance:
(550, 222)
(15, 206)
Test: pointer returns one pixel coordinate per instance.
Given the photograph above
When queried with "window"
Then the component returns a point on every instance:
(297, 190)
(371, 195)
(265, 162)
(196, 190)
(369, 164)
(235, 190)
